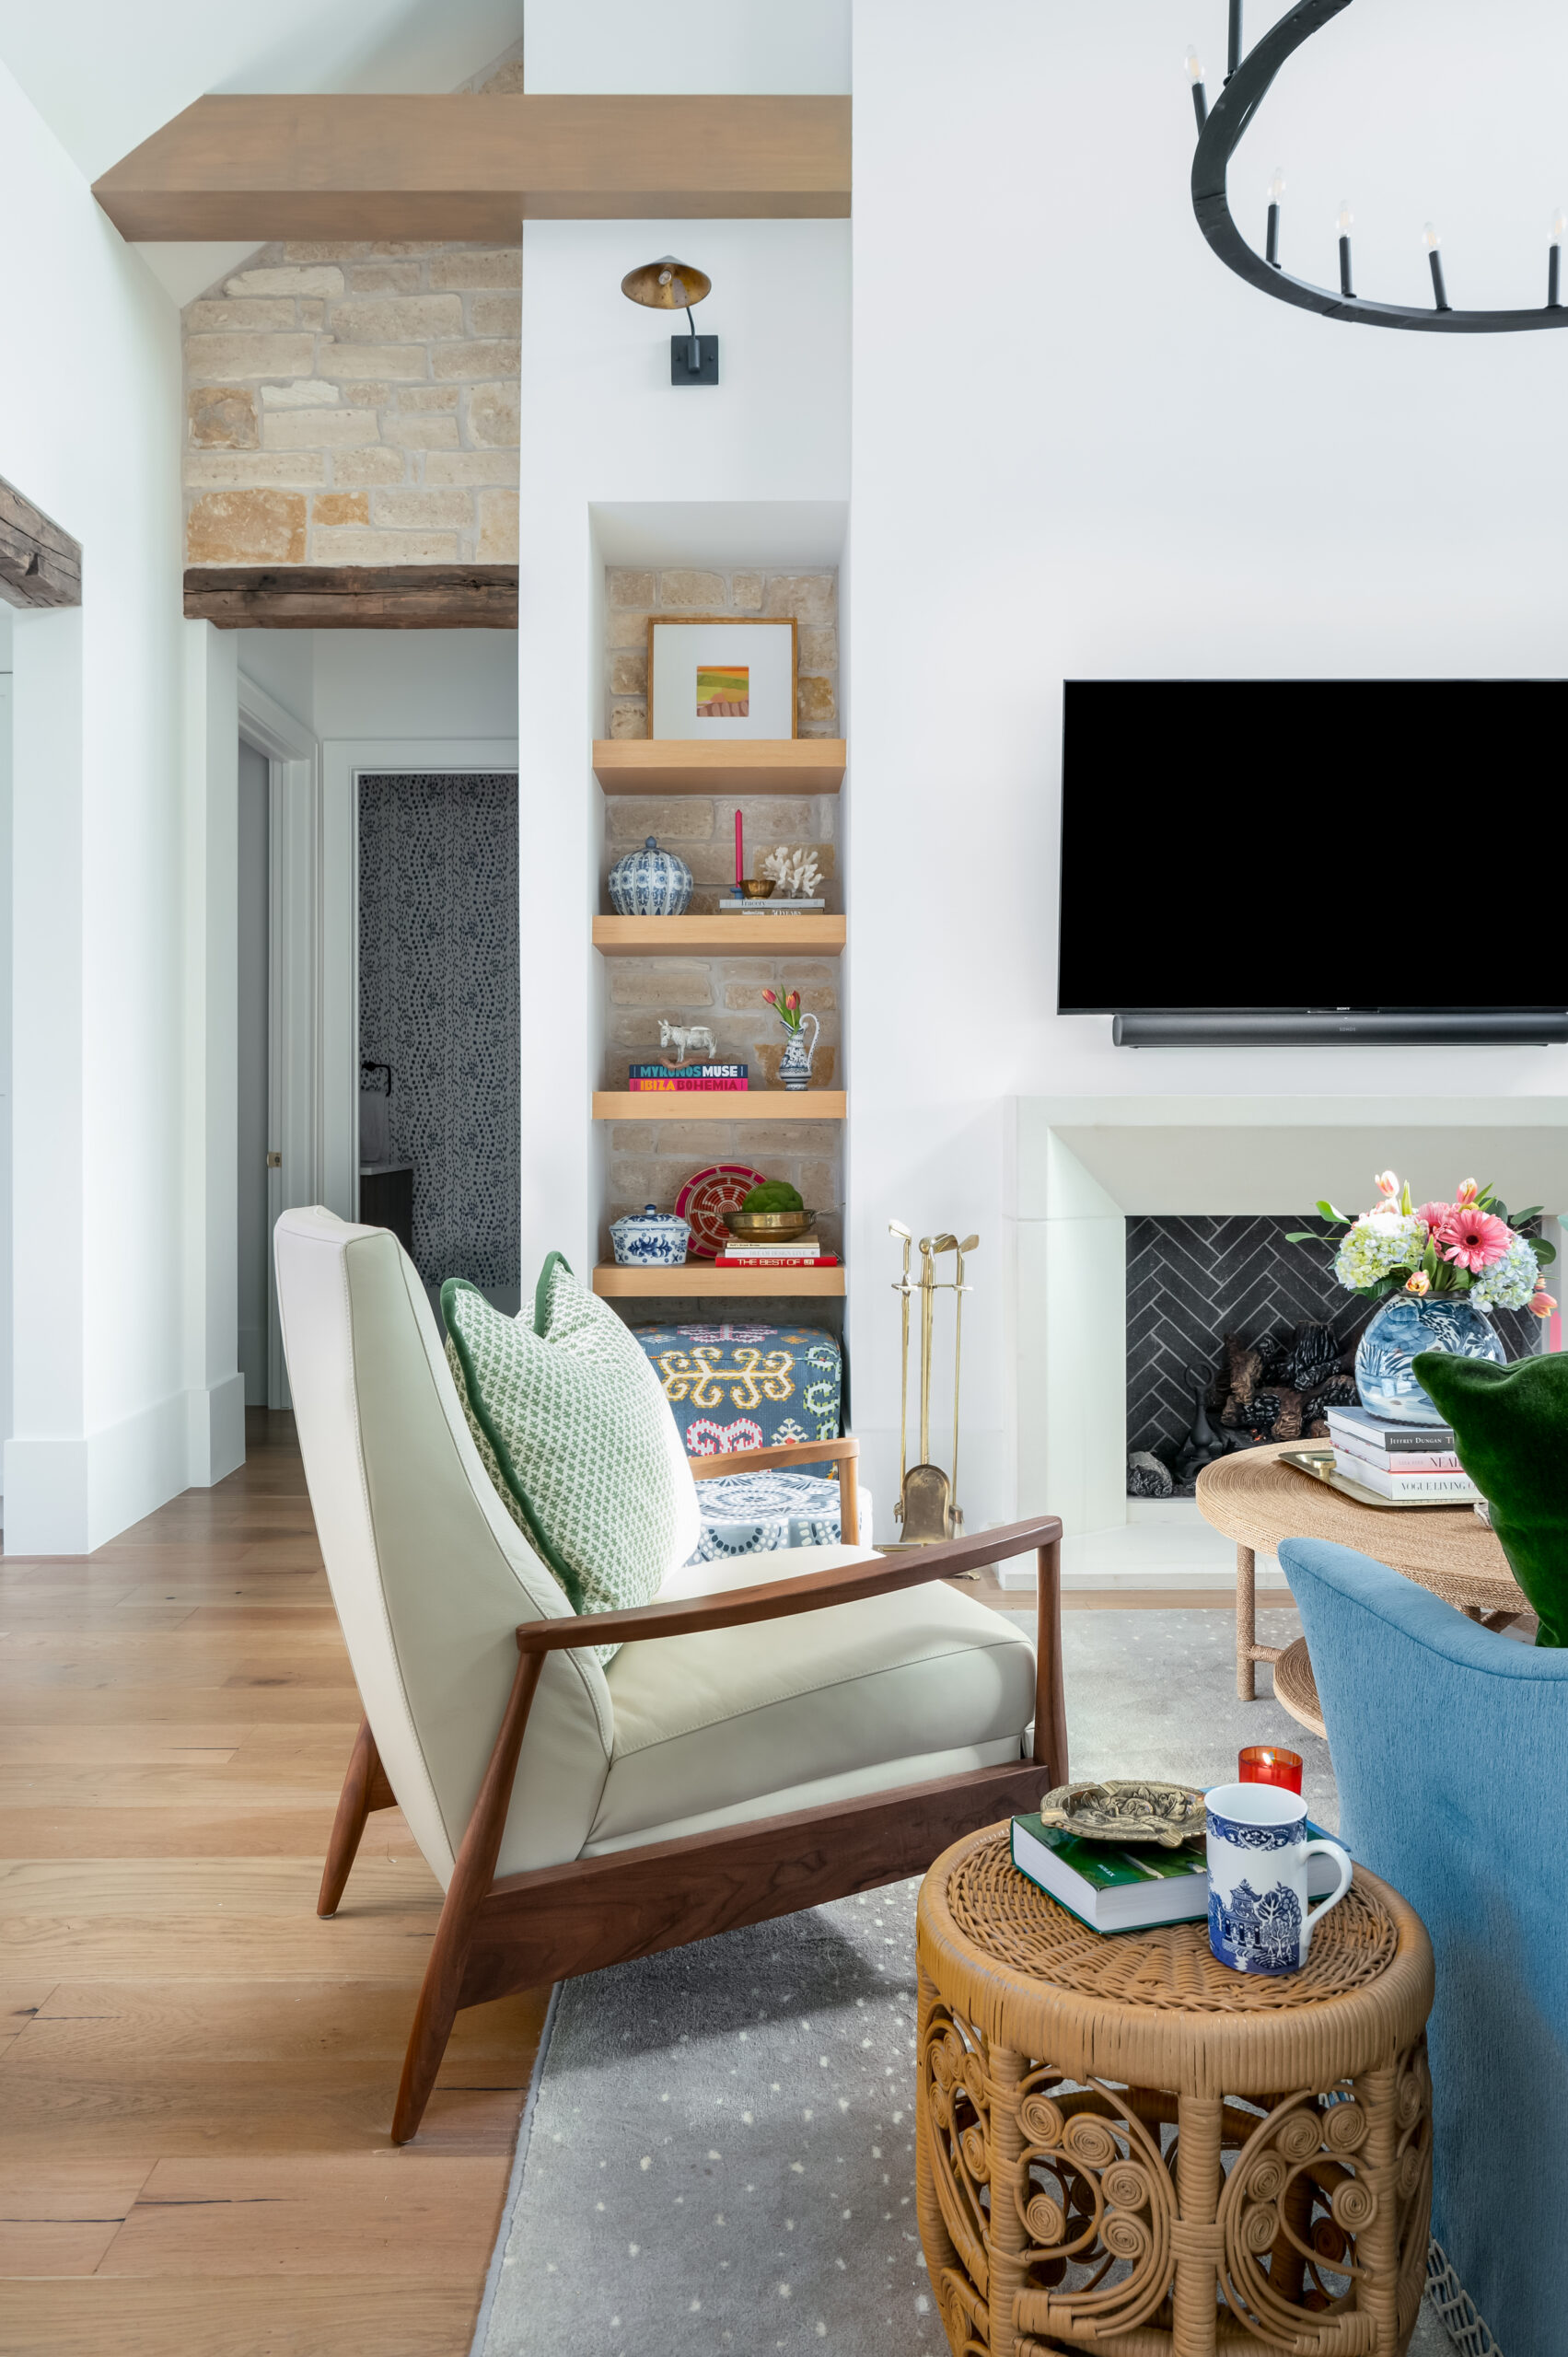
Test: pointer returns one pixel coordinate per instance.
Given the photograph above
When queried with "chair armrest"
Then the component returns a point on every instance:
(782, 1599)
(755, 1460)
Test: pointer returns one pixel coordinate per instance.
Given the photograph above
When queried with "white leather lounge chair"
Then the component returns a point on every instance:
(751, 1749)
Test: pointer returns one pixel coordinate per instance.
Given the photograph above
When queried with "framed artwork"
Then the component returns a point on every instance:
(721, 676)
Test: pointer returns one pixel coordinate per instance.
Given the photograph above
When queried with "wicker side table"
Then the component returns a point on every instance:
(1079, 2098)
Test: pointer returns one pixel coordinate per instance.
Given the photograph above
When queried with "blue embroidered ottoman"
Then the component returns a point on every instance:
(757, 1387)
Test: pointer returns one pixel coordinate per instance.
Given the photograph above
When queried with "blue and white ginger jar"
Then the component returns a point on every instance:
(650, 883)
(1408, 1323)
(650, 1239)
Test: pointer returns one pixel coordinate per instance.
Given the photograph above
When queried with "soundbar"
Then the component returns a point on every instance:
(1280, 1028)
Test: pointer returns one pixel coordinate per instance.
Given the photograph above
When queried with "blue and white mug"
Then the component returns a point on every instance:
(1259, 1919)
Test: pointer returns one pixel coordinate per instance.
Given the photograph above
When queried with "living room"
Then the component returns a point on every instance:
(1105, 578)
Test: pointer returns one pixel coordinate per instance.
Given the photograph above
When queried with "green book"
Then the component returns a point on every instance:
(1131, 1889)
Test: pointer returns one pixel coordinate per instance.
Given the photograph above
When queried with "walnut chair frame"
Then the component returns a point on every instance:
(526, 1930)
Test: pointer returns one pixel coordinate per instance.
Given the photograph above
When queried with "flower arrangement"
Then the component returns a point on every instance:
(1472, 1246)
(787, 1009)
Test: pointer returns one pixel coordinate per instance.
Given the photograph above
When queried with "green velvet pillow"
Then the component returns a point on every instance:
(1511, 1434)
(573, 1429)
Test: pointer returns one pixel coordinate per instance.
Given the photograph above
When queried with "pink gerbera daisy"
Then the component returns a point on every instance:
(1434, 1216)
(1473, 1239)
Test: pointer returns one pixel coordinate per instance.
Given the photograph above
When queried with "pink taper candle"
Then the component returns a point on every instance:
(740, 856)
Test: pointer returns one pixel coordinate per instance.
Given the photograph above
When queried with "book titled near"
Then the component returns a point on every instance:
(1357, 1451)
(1135, 1888)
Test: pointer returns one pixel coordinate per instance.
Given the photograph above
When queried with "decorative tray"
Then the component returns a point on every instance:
(1127, 1811)
(1318, 1465)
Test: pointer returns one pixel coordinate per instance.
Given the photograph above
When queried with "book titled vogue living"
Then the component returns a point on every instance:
(1135, 1888)
(1436, 1487)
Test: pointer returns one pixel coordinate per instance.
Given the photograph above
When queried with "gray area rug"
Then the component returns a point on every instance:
(719, 2149)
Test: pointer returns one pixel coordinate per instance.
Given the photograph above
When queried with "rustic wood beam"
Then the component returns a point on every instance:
(40, 564)
(475, 167)
(354, 597)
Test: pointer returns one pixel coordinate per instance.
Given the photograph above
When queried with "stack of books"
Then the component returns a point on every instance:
(803, 1252)
(686, 1076)
(1398, 1461)
(771, 908)
(1132, 1889)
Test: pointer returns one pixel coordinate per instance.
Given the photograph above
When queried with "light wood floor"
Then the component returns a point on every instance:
(196, 2076)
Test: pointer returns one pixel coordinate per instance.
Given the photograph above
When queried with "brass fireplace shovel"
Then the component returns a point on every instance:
(926, 1500)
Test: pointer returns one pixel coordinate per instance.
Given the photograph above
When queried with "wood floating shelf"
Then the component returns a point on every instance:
(719, 1105)
(443, 166)
(737, 937)
(699, 1277)
(679, 765)
(353, 597)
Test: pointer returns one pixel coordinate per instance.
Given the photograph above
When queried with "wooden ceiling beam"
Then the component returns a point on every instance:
(470, 166)
(40, 564)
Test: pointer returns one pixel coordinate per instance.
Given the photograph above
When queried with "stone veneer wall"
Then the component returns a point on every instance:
(650, 1161)
(354, 404)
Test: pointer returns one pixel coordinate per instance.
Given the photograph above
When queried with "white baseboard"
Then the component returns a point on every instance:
(65, 1497)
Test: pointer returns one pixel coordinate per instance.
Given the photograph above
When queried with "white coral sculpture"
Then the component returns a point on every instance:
(795, 873)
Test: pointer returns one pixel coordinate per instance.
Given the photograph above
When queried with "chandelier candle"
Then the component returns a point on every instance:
(1199, 95)
(1276, 190)
(1233, 46)
(1432, 243)
(739, 854)
(1554, 263)
(1346, 224)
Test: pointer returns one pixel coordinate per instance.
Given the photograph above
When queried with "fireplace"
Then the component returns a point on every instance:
(1225, 1309)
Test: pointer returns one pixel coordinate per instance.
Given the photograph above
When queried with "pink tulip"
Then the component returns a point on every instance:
(770, 997)
(1473, 1239)
(793, 1001)
(1543, 1305)
(1388, 1184)
(1466, 1193)
(1418, 1282)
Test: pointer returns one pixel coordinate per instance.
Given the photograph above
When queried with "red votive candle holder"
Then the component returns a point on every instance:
(1268, 1763)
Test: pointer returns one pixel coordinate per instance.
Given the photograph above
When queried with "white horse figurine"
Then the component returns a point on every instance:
(686, 1039)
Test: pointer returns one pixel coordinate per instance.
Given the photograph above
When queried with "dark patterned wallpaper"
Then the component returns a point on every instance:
(1191, 1282)
(439, 1002)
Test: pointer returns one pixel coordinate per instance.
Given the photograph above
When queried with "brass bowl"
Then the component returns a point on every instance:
(758, 887)
(769, 1227)
(1166, 1815)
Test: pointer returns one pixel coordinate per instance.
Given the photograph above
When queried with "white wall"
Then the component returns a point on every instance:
(741, 46)
(255, 1240)
(604, 437)
(101, 1359)
(1100, 454)
(385, 683)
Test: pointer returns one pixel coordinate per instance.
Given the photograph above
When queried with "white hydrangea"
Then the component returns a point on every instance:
(1380, 1245)
(1509, 1282)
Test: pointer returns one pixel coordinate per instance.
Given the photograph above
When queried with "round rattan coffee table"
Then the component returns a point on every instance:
(1257, 1502)
(1078, 2096)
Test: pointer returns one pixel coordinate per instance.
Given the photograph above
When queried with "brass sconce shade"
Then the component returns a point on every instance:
(671, 286)
(666, 284)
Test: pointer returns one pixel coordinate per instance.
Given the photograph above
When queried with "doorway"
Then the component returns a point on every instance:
(253, 1066)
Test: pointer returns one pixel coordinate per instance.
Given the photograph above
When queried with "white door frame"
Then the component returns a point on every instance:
(294, 964)
(344, 759)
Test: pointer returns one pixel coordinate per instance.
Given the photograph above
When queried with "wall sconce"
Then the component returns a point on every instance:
(670, 286)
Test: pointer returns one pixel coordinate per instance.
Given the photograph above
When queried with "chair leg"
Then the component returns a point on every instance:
(441, 1992)
(1051, 1701)
(365, 1789)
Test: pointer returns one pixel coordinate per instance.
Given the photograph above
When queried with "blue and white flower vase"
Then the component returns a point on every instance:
(1408, 1323)
(650, 1239)
(650, 883)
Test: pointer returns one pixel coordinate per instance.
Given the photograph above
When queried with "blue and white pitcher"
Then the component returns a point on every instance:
(795, 1066)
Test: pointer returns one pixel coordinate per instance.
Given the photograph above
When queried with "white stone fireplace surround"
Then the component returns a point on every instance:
(1083, 1164)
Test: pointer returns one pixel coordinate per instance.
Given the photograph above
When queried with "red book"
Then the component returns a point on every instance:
(684, 1088)
(773, 1260)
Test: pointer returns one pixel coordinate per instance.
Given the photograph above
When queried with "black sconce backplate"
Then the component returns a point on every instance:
(680, 370)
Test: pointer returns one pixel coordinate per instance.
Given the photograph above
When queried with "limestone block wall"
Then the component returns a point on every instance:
(650, 1161)
(354, 404)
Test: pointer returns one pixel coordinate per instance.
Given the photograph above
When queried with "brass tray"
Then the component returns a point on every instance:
(1318, 1465)
(1130, 1810)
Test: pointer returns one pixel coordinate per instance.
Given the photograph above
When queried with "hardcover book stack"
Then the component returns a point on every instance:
(737, 908)
(1399, 1461)
(686, 1078)
(801, 1252)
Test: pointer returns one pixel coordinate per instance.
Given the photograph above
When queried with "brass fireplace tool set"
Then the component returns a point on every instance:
(927, 1508)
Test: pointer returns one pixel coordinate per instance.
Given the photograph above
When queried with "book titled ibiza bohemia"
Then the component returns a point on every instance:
(1132, 1889)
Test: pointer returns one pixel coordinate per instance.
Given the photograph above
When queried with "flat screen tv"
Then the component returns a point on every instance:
(1246, 846)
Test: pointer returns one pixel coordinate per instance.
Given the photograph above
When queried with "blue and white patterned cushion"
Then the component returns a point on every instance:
(756, 1514)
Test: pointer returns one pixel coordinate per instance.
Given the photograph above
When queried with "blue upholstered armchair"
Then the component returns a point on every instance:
(1450, 1745)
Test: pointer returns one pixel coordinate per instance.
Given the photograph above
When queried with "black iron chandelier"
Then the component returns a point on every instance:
(1220, 129)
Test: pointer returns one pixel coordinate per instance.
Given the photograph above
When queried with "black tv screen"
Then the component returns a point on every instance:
(1309, 844)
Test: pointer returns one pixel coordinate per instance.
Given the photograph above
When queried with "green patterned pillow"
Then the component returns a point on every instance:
(575, 1431)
